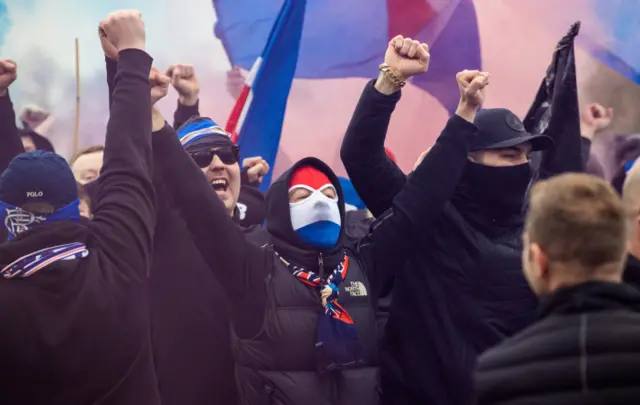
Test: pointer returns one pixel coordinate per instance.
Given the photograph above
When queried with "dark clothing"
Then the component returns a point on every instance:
(357, 224)
(9, 135)
(253, 277)
(274, 315)
(585, 349)
(250, 208)
(461, 290)
(632, 271)
(189, 313)
(77, 332)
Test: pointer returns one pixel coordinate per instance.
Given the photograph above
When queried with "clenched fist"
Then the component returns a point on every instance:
(595, 118)
(256, 167)
(109, 50)
(184, 80)
(472, 84)
(8, 74)
(159, 85)
(405, 58)
(124, 29)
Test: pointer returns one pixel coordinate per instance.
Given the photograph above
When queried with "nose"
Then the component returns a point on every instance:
(216, 164)
(321, 205)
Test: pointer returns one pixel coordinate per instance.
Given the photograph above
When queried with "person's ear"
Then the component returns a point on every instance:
(540, 261)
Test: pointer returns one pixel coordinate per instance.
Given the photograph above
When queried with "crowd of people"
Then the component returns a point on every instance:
(151, 269)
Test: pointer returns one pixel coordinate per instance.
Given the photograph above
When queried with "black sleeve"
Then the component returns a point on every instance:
(566, 156)
(124, 208)
(585, 150)
(375, 177)
(420, 203)
(112, 69)
(184, 112)
(10, 142)
(238, 265)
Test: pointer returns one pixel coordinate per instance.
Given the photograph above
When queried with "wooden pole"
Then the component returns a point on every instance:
(77, 124)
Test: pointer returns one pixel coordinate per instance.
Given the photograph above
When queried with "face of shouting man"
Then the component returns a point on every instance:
(218, 158)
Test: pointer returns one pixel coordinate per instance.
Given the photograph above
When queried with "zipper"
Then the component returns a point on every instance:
(321, 264)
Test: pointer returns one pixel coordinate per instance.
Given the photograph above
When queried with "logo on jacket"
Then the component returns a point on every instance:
(356, 289)
(242, 211)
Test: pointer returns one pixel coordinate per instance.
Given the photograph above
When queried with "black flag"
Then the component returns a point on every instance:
(555, 111)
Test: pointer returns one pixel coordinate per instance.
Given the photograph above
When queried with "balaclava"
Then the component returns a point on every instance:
(316, 219)
(37, 177)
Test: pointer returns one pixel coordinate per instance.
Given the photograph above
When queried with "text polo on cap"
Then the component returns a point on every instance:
(32, 194)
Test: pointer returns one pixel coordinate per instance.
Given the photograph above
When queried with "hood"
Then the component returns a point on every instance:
(285, 240)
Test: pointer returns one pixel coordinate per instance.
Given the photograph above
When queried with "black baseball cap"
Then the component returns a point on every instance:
(500, 128)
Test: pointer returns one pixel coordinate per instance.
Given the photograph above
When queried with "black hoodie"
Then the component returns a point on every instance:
(189, 313)
(77, 332)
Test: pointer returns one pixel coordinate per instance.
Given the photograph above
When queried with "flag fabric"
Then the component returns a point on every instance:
(555, 111)
(348, 38)
(256, 119)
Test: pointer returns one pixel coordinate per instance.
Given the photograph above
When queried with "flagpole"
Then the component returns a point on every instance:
(77, 123)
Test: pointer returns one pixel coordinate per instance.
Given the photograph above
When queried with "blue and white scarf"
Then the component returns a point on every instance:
(29, 264)
(17, 220)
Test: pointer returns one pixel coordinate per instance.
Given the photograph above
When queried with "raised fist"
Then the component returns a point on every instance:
(8, 74)
(472, 84)
(109, 50)
(407, 57)
(124, 29)
(257, 168)
(184, 80)
(595, 118)
(159, 85)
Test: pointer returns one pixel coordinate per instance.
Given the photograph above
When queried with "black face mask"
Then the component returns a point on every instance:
(499, 191)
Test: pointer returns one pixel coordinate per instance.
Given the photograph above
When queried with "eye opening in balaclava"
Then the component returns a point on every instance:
(316, 218)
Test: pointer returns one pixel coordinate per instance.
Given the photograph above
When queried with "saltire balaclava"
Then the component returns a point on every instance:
(316, 219)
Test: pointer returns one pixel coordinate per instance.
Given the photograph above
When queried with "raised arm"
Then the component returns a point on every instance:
(421, 202)
(10, 142)
(124, 208)
(374, 176)
(238, 265)
(184, 80)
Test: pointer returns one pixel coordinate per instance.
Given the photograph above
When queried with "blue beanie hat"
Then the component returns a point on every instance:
(38, 177)
(202, 131)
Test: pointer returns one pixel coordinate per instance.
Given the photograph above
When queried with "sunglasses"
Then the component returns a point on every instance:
(228, 155)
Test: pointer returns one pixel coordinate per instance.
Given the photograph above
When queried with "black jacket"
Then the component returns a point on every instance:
(585, 349)
(632, 271)
(77, 332)
(189, 312)
(461, 288)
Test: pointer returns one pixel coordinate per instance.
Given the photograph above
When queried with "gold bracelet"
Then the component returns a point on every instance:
(384, 68)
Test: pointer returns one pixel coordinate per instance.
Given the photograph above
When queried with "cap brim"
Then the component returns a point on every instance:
(538, 143)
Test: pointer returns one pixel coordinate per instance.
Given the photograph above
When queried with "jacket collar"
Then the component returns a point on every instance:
(592, 296)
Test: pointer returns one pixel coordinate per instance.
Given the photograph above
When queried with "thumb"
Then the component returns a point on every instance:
(163, 79)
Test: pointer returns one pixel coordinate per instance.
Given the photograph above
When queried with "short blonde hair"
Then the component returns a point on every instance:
(87, 151)
(577, 218)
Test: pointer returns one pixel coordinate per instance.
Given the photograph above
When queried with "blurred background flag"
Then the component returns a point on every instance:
(256, 119)
(348, 38)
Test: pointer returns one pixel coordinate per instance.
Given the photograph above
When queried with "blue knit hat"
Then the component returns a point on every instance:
(38, 177)
(202, 131)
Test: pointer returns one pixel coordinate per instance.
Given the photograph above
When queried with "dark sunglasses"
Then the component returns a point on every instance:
(228, 155)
